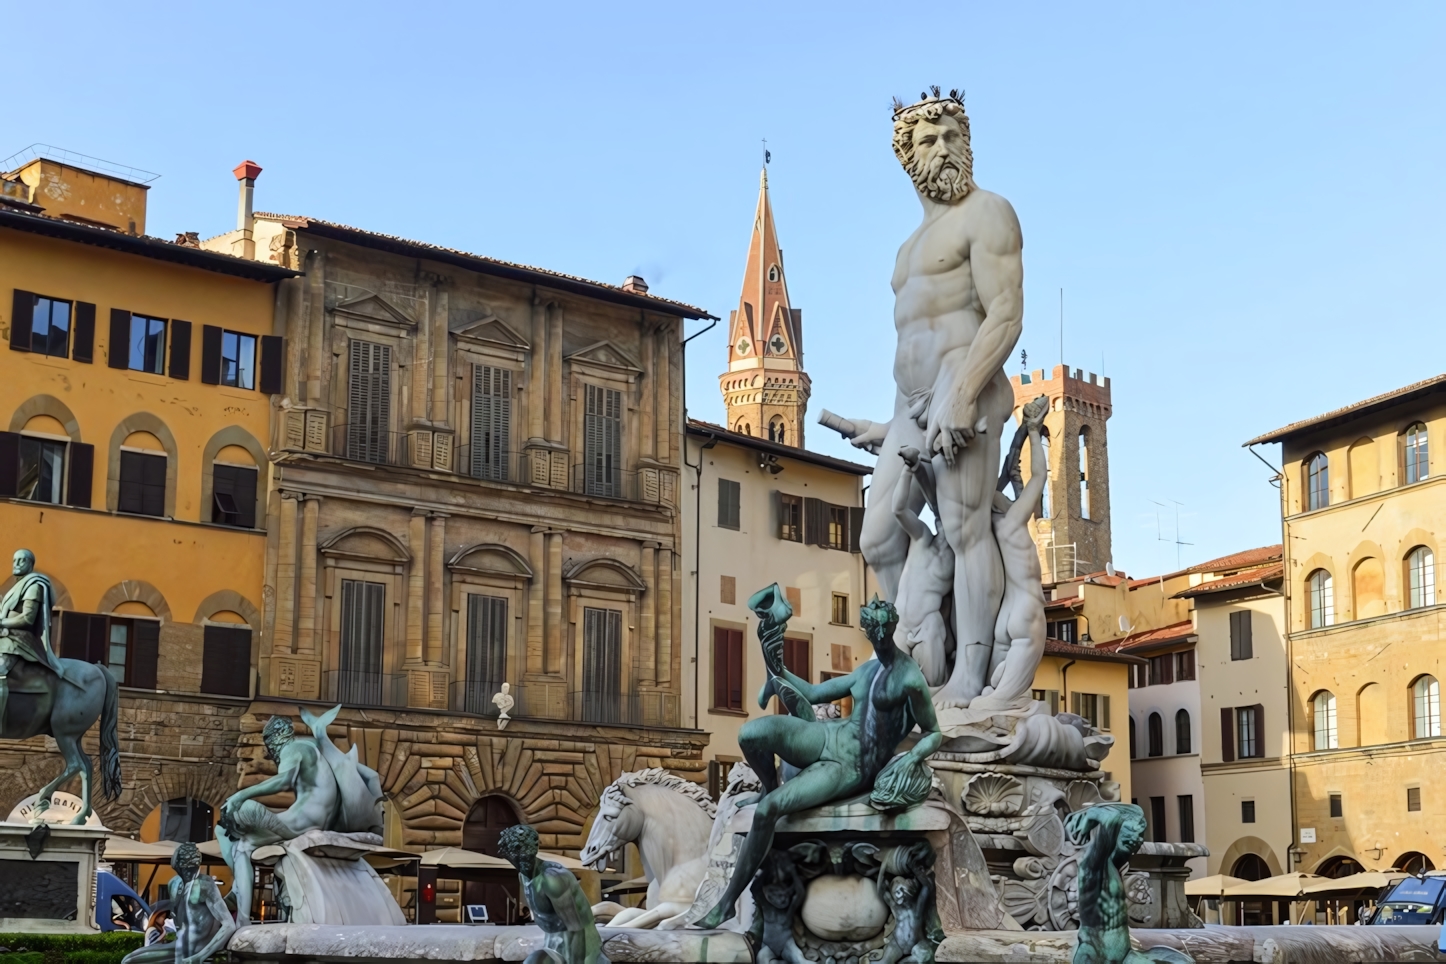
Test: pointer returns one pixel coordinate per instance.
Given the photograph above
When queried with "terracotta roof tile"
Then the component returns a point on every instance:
(1248, 577)
(1358, 408)
(698, 427)
(1054, 647)
(1150, 638)
(1240, 560)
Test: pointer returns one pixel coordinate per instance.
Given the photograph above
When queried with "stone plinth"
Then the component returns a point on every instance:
(294, 943)
(1165, 874)
(53, 891)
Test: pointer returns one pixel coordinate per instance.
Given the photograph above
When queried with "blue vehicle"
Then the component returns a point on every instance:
(1415, 900)
(117, 907)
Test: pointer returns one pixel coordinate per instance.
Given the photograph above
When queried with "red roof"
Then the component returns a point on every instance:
(1350, 411)
(1249, 577)
(1240, 560)
(1053, 647)
(1152, 638)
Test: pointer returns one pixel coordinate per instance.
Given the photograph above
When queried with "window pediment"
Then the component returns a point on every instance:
(603, 573)
(374, 308)
(365, 542)
(491, 559)
(608, 358)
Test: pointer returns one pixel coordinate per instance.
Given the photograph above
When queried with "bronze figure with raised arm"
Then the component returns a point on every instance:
(837, 759)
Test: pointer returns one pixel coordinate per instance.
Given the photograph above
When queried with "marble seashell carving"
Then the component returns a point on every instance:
(993, 795)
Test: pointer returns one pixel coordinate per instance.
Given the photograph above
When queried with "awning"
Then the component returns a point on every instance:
(120, 849)
(463, 859)
(1212, 886)
(1367, 882)
(635, 886)
(1285, 886)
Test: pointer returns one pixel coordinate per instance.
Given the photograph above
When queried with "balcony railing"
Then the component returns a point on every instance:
(362, 443)
(358, 688)
(489, 466)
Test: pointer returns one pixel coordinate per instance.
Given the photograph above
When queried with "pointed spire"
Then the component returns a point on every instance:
(765, 333)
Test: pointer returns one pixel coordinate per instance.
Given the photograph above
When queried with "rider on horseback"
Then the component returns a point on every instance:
(25, 623)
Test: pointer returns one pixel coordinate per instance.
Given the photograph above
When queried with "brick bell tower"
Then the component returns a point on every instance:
(765, 387)
(1072, 526)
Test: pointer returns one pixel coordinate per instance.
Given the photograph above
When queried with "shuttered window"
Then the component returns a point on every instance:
(226, 661)
(602, 664)
(491, 422)
(486, 651)
(602, 441)
(832, 526)
(727, 668)
(233, 495)
(142, 484)
(729, 509)
(359, 677)
(41, 325)
(128, 647)
(369, 402)
(1241, 645)
(790, 517)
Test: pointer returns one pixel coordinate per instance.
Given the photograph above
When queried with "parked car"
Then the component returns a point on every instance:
(117, 907)
(1415, 900)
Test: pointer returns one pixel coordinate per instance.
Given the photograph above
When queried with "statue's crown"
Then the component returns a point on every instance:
(932, 95)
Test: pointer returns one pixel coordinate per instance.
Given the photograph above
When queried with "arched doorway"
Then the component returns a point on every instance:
(1340, 867)
(1336, 910)
(497, 890)
(1251, 913)
(1414, 862)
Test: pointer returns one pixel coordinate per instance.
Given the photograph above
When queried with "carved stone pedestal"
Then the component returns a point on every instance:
(53, 890)
(853, 884)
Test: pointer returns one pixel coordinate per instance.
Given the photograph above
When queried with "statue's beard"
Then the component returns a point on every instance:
(945, 178)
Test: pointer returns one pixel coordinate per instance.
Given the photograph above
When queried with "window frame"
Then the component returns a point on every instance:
(1247, 739)
(1425, 707)
(790, 517)
(834, 612)
(148, 489)
(1320, 598)
(1242, 633)
(59, 484)
(1337, 806)
(144, 342)
(1184, 735)
(1316, 480)
(1247, 811)
(226, 334)
(1154, 735)
(728, 662)
(47, 348)
(1415, 454)
(218, 492)
(730, 504)
(1421, 577)
(1324, 721)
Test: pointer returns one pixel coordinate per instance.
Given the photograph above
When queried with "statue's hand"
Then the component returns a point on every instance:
(952, 426)
(872, 438)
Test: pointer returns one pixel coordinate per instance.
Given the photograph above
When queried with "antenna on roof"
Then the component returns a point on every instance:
(1159, 536)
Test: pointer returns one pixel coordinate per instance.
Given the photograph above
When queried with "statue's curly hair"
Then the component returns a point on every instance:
(278, 729)
(186, 860)
(518, 841)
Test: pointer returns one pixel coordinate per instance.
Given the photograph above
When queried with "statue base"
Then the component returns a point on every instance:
(326, 880)
(47, 877)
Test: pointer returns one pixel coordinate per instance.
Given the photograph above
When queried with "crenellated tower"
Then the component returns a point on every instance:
(765, 387)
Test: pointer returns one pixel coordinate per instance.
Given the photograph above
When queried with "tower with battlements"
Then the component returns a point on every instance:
(765, 387)
(1072, 526)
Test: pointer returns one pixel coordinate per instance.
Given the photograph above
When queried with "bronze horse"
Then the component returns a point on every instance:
(42, 703)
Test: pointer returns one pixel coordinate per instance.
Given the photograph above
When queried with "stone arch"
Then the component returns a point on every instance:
(1368, 587)
(209, 783)
(366, 542)
(232, 601)
(491, 557)
(603, 572)
(1371, 715)
(46, 405)
(1250, 845)
(136, 590)
(141, 422)
(62, 595)
(233, 435)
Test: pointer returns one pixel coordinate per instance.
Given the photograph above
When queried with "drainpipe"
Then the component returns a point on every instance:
(245, 246)
(1064, 686)
(697, 516)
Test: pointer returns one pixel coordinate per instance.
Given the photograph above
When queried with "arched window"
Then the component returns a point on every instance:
(1045, 510)
(1421, 577)
(40, 460)
(1417, 456)
(143, 466)
(773, 273)
(1426, 707)
(1368, 588)
(1156, 734)
(1322, 599)
(1084, 473)
(1414, 862)
(1182, 731)
(233, 488)
(1323, 713)
(777, 431)
(1133, 752)
(1317, 482)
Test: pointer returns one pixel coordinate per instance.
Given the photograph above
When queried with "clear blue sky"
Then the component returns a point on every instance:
(1243, 202)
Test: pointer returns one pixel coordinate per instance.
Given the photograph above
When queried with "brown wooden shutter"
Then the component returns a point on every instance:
(145, 653)
(210, 355)
(9, 463)
(856, 527)
(796, 657)
(273, 361)
(82, 348)
(80, 472)
(1167, 668)
(720, 667)
(21, 318)
(180, 361)
(97, 639)
(118, 352)
(1227, 734)
(226, 661)
(815, 526)
(1258, 712)
(73, 630)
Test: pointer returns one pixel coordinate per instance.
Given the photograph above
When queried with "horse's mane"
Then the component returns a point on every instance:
(659, 777)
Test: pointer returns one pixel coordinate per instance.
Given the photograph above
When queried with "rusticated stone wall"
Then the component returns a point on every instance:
(434, 766)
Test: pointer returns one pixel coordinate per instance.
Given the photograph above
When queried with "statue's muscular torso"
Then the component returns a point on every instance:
(937, 308)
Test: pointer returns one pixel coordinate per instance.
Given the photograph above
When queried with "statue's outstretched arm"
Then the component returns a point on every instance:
(1028, 501)
(283, 781)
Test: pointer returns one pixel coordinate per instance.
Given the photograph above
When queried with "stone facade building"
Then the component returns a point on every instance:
(1362, 515)
(138, 390)
(476, 483)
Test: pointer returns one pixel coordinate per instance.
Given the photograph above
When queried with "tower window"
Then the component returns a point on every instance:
(1084, 473)
(773, 273)
(777, 431)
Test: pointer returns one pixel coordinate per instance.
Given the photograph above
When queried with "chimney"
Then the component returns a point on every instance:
(245, 245)
(635, 285)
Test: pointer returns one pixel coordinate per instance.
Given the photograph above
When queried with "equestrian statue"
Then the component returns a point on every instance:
(41, 693)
